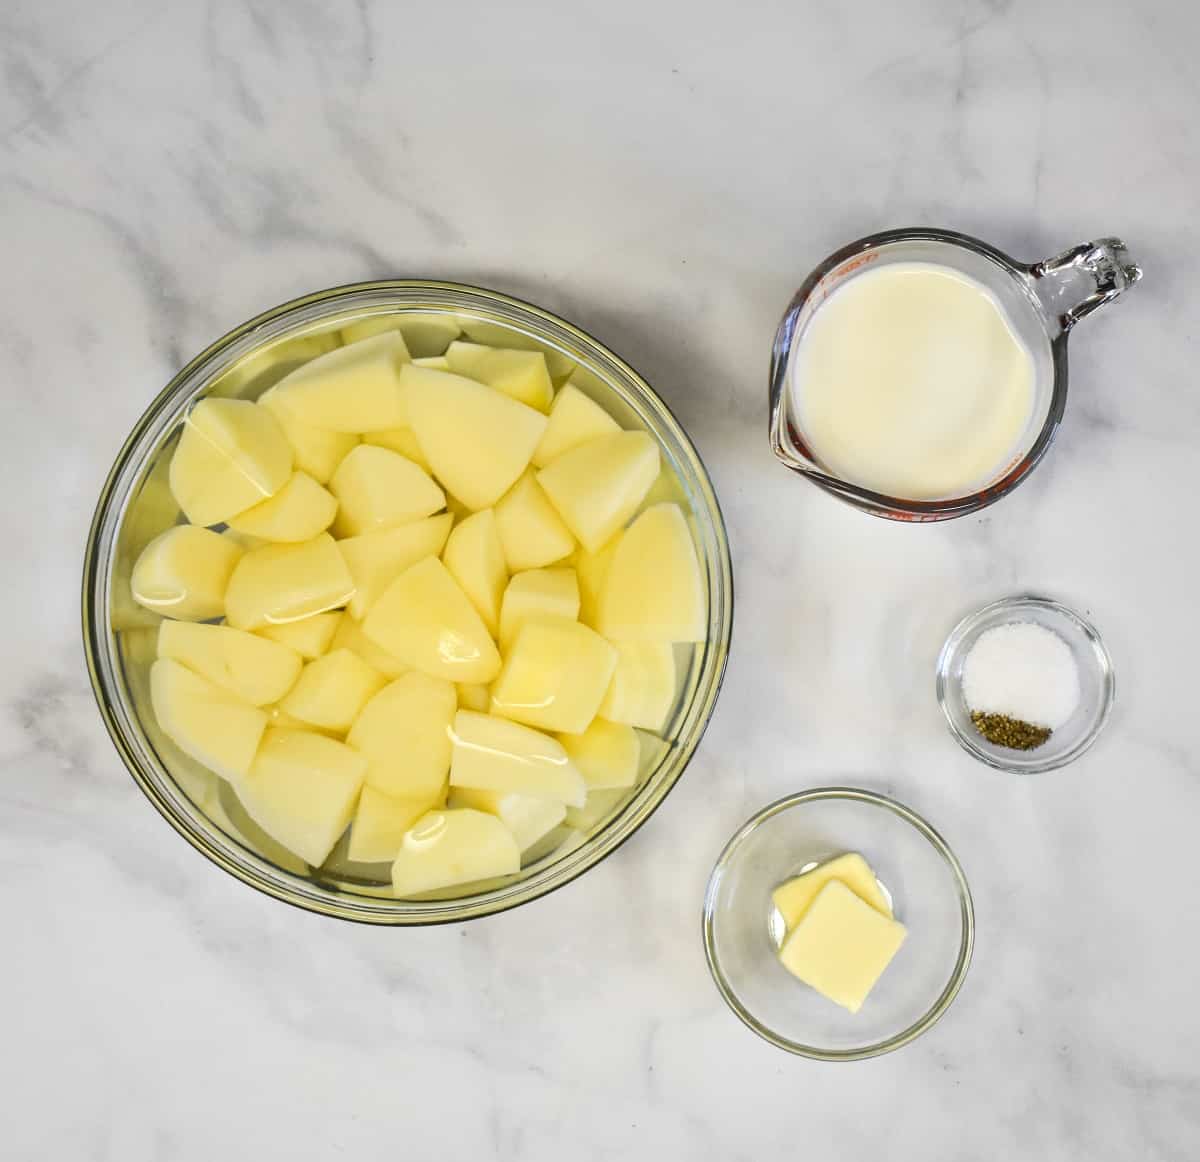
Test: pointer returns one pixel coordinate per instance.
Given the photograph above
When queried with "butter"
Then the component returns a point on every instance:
(841, 946)
(793, 898)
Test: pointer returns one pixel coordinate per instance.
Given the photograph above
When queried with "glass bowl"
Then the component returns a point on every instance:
(135, 505)
(1097, 684)
(916, 869)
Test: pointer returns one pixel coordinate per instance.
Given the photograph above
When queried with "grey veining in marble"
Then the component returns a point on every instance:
(663, 174)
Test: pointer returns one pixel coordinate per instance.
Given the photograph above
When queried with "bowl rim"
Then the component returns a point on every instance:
(1014, 603)
(308, 896)
(966, 912)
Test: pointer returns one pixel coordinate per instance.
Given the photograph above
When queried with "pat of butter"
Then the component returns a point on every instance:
(793, 898)
(841, 946)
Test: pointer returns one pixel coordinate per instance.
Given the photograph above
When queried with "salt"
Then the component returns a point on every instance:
(1022, 670)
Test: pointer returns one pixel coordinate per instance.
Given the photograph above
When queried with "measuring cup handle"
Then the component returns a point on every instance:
(1105, 261)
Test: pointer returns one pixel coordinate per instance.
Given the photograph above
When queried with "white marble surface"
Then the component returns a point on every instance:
(665, 178)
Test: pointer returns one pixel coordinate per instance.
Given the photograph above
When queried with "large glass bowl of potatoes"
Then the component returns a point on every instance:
(407, 602)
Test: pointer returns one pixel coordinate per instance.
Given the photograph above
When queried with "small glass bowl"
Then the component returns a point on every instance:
(1097, 684)
(916, 869)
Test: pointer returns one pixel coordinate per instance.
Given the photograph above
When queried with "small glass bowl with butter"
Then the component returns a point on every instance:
(915, 876)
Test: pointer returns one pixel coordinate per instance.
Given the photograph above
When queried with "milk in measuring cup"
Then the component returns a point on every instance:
(910, 380)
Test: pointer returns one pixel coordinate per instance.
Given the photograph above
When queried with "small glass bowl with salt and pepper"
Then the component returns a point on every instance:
(1025, 683)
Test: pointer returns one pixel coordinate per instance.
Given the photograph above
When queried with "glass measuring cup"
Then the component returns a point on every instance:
(1043, 301)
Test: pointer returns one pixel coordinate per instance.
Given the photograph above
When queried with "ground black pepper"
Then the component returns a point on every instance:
(1013, 733)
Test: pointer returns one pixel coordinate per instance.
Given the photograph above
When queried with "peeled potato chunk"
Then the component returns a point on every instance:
(654, 749)
(492, 754)
(534, 594)
(282, 718)
(654, 591)
(591, 569)
(401, 440)
(310, 637)
(184, 573)
(280, 583)
(555, 676)
(447, 848)
(375, 560)
(254, 669)
(150, 509)
(332, 690)
(231, 455)
(531, 531)
(355, 388)
(349, 636)
(520, 374)
(598, 486)
(496, 335)
(425, 334)
(138, 646)
(475, 558)
(211, 725)
(642, 689)
(252, 375)
(456, 508)
(378, 489)
(244, 541)
(426, 621)
(600, 805)
(380, 822)
(318, 451)
(607, 754)
(297, 512)
(477, 439)
(528, 817)
(404, 732)
(574, 419)
(474, 696)
(302, 789)
(665, 490)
